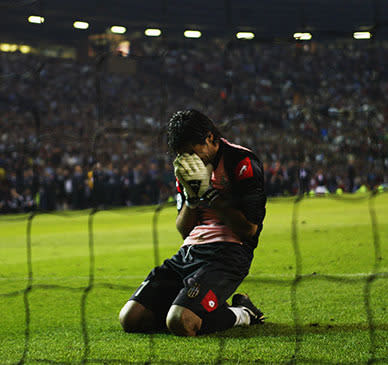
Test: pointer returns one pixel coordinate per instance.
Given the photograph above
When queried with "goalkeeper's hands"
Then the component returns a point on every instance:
(194, 176)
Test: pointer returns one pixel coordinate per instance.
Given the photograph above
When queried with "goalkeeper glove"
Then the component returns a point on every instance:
(208, 198)
(194, 175)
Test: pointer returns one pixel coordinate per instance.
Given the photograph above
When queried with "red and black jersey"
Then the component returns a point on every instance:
(238, 174)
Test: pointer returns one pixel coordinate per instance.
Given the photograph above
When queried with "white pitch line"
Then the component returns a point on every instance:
(292, 276)
(79, 277)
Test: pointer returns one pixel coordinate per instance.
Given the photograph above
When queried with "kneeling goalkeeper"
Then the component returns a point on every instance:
(221, 207)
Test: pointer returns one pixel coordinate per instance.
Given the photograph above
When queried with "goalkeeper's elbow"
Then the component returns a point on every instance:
(249, 232)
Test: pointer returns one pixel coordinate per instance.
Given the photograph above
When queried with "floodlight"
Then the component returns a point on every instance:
(25, 49)
(303, 36)
(192, 34)
(36, 19)
(5, 47)
(152, 32)
(362, 35)
(118, 29)
(245, 35)
(80, 25)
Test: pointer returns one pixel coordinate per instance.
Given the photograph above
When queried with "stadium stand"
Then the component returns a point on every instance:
(316, 114)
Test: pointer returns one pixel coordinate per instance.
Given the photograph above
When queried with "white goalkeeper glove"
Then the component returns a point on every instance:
(194, 175)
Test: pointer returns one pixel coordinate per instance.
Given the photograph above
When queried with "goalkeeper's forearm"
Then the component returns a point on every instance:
(234, 219)
(186, 220)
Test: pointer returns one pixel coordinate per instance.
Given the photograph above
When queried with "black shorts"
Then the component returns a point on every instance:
(199, 277)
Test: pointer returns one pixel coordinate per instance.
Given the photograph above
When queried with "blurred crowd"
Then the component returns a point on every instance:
(76, 135)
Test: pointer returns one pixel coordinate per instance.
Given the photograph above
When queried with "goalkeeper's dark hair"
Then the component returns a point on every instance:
(189, 126)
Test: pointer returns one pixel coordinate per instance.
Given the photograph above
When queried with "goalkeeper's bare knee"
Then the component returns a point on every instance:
(182, 321)
(134, 317)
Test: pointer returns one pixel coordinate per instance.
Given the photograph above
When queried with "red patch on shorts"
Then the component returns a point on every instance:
(210, 301)
(244, 169)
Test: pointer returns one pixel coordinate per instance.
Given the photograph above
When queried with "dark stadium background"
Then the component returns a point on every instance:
(82, 121)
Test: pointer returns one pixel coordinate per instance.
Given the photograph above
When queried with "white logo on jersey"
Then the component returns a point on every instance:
(179, 201)
(242, 169)
(211, 303)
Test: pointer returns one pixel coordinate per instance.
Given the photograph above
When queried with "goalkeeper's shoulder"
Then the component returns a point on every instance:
(242, 164)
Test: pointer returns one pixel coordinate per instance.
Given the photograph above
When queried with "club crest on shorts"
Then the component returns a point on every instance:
(193, 291)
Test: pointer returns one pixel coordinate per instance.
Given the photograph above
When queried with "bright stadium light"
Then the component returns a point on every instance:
(118, 29)
(192, 34)
(36, 19)
(25, 49)
(152, 32)
(80, 25)
(245, 35)
(13, 47)
(6, 47)
(303, 36)
(362, 35)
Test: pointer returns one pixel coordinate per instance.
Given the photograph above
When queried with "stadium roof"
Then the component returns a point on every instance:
(268, 19)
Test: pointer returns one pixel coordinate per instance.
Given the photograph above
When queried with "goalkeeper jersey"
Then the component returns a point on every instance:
(238, 174)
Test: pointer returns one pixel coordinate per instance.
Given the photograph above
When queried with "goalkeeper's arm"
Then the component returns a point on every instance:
(186, 220)
(194, 176)
(234, 219)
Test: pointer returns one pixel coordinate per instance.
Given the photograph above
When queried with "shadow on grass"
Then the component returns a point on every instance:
(281, 329)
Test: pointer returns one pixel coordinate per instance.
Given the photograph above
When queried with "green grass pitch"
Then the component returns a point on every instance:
(335, 239)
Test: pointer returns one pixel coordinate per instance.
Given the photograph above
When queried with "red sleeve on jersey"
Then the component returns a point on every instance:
(244, 169)
(178, 186)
